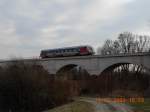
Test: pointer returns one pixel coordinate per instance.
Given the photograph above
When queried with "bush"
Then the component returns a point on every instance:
(28, 87)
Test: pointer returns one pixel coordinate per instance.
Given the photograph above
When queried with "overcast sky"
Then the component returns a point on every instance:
(27, 26)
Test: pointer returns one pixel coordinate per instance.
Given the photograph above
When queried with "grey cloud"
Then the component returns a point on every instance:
(41, 24)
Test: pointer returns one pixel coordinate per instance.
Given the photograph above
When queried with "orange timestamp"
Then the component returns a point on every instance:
(122, 100)
(128, 100)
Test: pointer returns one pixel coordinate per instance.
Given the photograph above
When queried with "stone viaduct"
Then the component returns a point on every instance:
(95, 64)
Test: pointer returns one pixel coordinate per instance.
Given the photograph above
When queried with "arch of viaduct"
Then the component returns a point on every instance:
(93, 64)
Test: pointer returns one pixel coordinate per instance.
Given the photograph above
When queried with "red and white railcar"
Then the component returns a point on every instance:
(67, 51)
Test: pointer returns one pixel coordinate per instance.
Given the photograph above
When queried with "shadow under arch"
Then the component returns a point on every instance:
(66, 68)
(125, 64)
(131, 80)
(113, 66)
(72, 71)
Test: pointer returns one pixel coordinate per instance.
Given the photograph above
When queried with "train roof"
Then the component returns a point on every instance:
(67, 47)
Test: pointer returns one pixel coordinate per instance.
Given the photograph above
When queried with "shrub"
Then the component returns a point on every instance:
(28, 87)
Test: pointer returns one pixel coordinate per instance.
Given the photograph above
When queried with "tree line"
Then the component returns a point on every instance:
(126, 42)
(28, 87)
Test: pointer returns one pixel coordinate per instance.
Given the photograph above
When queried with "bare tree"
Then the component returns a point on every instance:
(107, 47)
(126, 43)
(142, 43)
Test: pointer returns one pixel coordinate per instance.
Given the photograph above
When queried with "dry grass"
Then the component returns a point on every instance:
(77, 106)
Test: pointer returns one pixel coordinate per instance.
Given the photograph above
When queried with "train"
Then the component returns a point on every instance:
(67, 51)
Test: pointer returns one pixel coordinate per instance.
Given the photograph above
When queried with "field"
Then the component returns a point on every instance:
(76, 106)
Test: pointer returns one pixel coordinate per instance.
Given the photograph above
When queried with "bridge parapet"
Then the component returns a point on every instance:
(94, 64)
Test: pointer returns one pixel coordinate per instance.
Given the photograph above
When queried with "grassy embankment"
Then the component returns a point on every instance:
(76, 106)
(141, 107)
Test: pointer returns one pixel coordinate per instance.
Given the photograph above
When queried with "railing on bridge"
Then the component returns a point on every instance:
(127, 54)
(108, 55)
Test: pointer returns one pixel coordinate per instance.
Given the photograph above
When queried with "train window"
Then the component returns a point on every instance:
(75, 50)
(70, 50)
(43, 52)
